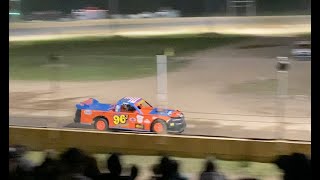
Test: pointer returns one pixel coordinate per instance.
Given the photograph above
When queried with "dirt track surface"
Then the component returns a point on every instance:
(220, 87)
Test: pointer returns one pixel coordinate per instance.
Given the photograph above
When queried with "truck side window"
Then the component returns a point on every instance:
(127, 108)
(124, 108)
(117, 108)
(131, 108)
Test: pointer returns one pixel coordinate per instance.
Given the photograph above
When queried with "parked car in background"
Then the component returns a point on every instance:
(167, 13)
(301, 50)
(89, 13)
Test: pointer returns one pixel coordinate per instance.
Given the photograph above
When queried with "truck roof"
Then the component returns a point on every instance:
(130, 100)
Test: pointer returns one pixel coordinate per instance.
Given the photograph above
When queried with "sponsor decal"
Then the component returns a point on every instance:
(132, 119)
(147, 121)
(87, 112)
(139, 126)
(139, 119)
(169, 113)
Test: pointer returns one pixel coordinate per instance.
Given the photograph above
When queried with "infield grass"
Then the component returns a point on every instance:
(106, 58)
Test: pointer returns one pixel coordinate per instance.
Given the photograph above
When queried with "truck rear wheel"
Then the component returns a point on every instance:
(101, 124)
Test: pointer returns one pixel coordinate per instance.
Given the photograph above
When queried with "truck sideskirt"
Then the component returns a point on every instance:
(77, 116)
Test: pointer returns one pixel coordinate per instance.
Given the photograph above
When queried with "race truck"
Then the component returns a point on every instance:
(129, 113)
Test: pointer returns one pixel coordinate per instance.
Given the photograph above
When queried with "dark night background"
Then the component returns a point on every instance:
(187, 7)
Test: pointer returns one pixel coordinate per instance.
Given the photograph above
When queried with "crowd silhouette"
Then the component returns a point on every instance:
(74, 164)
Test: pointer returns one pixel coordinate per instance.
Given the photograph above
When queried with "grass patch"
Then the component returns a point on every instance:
(255, 46)
(106, 58)
(305, 36)
(187, 165)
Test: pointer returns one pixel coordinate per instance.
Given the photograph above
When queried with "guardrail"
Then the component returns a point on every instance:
(304, 19)
(40, 139)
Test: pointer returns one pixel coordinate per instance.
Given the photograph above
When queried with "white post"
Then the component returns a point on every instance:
(162, 92)
(282, 92)
(254, 8)
(251, 8)
(231, 11)
(54, 62)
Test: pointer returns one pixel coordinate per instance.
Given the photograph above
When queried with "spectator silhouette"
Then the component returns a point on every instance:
(91, 168)
(134, 172)
(164, 167)
(13, 163)
(49, 168)
(114, 165)
(156, 172)
(167, 169)
(160, 170)
(115, 169)
(210, 172)
(25, 164)
(73, 163)
(295, 166)
(19, 167)
(174, 171)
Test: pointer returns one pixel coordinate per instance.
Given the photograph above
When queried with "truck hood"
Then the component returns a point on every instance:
(166, 112)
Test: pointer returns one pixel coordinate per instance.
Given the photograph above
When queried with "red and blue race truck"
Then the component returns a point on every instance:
(129, 113)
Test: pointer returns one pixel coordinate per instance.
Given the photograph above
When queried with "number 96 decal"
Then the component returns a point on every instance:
(122, 119)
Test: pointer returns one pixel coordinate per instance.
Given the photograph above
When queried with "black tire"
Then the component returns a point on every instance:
(164, 125)
(181, 131)
(98, 120)
(184, 128)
